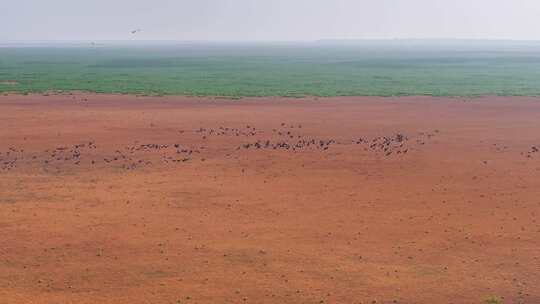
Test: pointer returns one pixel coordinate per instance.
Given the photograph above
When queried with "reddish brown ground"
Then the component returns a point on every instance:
(455, 219)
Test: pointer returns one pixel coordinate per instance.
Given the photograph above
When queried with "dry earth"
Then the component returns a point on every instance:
(124, 199)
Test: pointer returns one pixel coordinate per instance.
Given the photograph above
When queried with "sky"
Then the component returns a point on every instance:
(268, 20)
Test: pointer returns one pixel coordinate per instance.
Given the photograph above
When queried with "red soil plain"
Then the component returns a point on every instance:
(126, 199)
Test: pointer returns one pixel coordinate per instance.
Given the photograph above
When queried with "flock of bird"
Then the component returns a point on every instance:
(127, 157)
(8, 159)
(227, 131)
(388, 145)
(534, 150)
(287, 137)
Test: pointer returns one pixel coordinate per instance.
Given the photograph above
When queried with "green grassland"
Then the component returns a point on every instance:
(320, 69)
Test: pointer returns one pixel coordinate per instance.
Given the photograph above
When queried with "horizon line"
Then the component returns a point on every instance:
(267, 41)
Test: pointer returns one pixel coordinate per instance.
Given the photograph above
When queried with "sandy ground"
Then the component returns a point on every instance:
(123, 199)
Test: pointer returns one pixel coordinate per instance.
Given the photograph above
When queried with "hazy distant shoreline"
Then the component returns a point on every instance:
(320, 42)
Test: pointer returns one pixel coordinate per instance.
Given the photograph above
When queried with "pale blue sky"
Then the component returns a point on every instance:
(270, 20)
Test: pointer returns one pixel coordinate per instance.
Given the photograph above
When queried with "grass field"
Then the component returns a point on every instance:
(321, 69)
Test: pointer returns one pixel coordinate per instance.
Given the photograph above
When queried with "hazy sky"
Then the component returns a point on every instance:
(275, 20)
